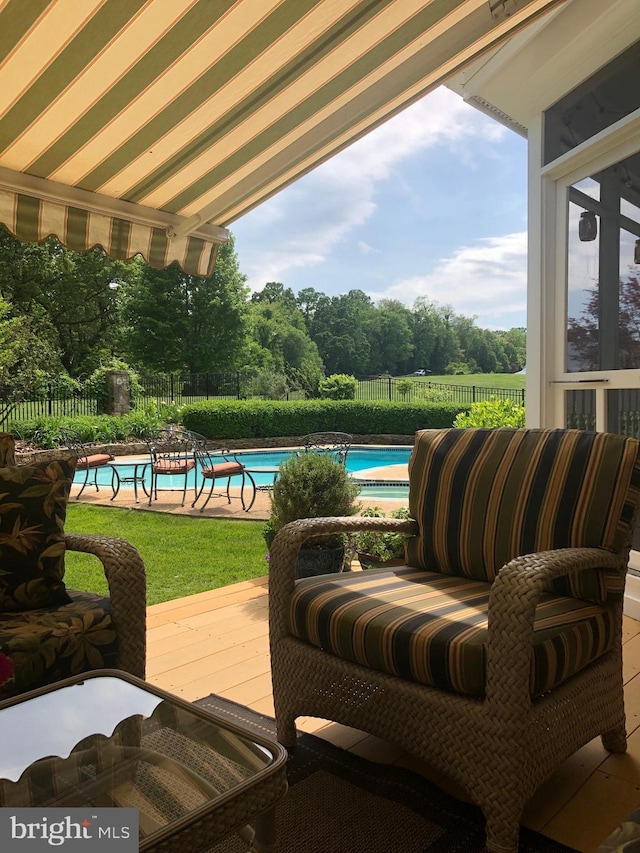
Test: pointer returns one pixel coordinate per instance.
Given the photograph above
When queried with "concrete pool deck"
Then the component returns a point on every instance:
(219, 508)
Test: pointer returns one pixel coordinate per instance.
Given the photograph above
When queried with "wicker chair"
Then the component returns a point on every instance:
(495, 652)
(88, 632)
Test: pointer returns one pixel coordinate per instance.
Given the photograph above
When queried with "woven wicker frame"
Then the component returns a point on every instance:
(125, 574)
(500, 748)
(126, 578)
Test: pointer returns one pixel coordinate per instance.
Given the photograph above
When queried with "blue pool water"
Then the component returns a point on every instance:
(359, 459)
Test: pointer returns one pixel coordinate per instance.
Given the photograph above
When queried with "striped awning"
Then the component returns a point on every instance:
(147, 126)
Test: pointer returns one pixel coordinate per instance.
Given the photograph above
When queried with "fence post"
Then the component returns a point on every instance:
(238, 384)
(50, 396)
(206, 385)
(171, 388)
(473, 394)
(118, 392)
(390, 397)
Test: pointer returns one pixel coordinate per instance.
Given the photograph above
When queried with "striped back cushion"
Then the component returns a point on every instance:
(485, 496)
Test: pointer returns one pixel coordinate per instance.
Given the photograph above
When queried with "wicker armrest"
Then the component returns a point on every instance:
(125, 574)
(514, 596)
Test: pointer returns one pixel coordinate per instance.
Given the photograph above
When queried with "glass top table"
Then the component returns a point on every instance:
(108, 739)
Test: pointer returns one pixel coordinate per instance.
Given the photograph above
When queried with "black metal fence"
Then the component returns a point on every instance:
(64, 399)
(409, 390)
(183, 388)
(51, 400)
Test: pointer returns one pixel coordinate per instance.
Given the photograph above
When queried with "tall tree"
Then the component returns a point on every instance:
(514, 343)
(70, 298)
(391, 338)
(342, 328)
(279, 335)
(22, 355)
(307, 301)
(434, 336)
(179, 322)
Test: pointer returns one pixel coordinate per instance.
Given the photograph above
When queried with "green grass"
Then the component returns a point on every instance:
(183, 555)
(481, 380)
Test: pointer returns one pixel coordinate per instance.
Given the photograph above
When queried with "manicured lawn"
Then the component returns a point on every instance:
(182, 555)
(483, 380)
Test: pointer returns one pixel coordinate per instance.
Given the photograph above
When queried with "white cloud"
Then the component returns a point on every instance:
(366, 249)
(300, 226)
(488, 280)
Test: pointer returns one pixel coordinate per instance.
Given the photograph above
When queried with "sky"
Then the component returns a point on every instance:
(432, 204)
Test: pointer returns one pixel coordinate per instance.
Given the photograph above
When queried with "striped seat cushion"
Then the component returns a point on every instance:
(485, 496)
(432, 628)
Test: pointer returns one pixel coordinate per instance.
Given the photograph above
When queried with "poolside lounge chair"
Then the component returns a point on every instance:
(496, 651)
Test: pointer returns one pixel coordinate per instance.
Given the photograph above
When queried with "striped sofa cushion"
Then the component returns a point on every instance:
(432, 628)
(485, 496)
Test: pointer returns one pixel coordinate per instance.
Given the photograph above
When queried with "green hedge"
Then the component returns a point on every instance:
(272, 419)
(231, 419)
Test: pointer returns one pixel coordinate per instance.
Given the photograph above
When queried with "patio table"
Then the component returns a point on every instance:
(106, 738)
(136, 478)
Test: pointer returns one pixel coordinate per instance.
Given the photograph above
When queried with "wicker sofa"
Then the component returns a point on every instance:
(50, 632)
(495, 652)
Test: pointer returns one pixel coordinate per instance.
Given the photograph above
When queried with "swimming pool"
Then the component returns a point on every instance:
(361, 463)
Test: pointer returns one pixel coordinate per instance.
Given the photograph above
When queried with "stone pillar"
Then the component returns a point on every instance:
(118, 392)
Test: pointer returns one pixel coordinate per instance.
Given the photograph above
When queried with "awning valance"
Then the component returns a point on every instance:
(199, 110)
(33, 219)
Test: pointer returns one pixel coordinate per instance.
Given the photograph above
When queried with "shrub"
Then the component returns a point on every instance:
(310, 485)
(457, 368)
(338, 386)
(268, 384)
(492, 413)
(405, 387)
(63, 386)
(385, 546)
(44, 432)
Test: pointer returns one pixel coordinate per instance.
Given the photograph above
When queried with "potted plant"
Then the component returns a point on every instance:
(376, 548)
(313, 485)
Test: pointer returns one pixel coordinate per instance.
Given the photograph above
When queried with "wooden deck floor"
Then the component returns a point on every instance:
(216, 642)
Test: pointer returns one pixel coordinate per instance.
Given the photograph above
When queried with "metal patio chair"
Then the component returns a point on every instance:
(173, 457)
(217, 465)
(334, 444)
(88, 462)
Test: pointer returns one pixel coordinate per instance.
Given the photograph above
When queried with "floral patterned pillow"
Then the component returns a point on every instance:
(33, 506)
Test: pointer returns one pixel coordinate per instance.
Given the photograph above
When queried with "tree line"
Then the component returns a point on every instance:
(69, 313)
